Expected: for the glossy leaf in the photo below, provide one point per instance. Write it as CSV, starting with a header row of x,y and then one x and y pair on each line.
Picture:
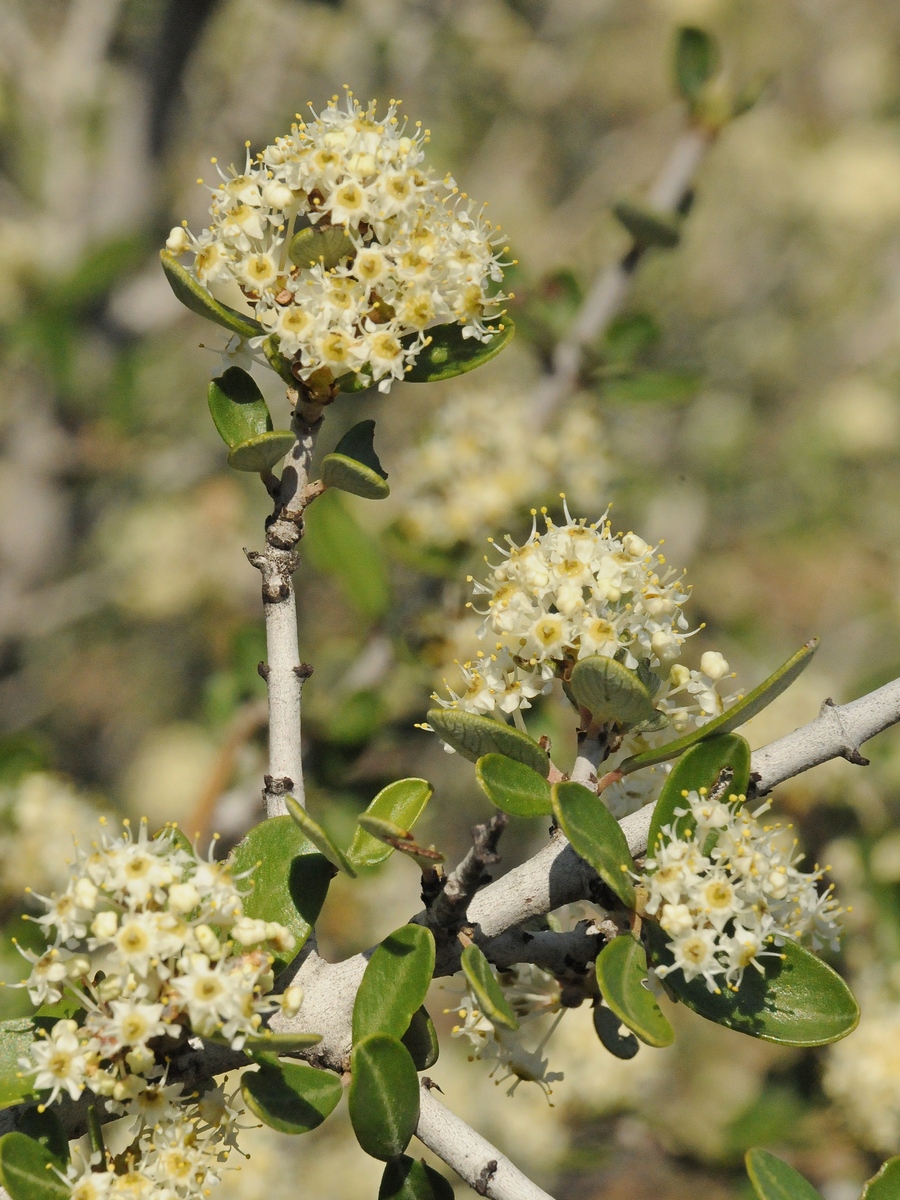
x,y
384,1095
699,768
449,353
621,968
609,691
473,736
47,1130
649,226
29,1170
696,61
353,466
773,1179
412,1179
281,1043
486,989
396,838
16,1037
595,835
607,1026
193,295
400,803
798,1001
354,381
315,245
739,713
336,545
885,1184
290,880
514,787
421,1040
318,836
237,407
395,983
178,837
262,452
291,1097
277,361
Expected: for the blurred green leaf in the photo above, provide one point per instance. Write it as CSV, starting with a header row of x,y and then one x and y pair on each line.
x,y
262,452
281,1043
16,1037
99,270
336,545
473,736
653,387
609,691
513,787
353,466
22,754
773,1179
421,1040
319,837
449,353
410,1179
607,1026
699,768
384,1095
27,1169
237,407
195,297
486,989
621,968
395,983
696,61
596,836
648,226
291,1097
629,336
885,1184
313,245
401,803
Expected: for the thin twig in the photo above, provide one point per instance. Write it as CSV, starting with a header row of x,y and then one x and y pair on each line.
x,y
448,912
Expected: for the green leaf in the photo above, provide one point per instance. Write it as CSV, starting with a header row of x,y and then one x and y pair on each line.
x,y
16,1037
629,336
421,1040
290,881
513,786
596,836
696,61
699,768
276,360
27,1169
449,353
473,736
653,387
394,837
384,1095
798,1001
607,1026
313,245
621,973
262,452
353,466
281,1043
395,983
407,1178
773,1179
885,1184
336,545
609,691
193,295
177,837
732,718
401,803
291,1097
649,226
486,989
353,381
47,1130
317,835
237,407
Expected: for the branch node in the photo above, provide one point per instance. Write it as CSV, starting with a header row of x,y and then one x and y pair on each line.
x,y
278,787
303,671
262,669
487,1173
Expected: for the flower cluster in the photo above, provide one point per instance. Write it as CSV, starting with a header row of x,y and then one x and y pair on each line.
x,y
531,993
727,909
153,943
416,252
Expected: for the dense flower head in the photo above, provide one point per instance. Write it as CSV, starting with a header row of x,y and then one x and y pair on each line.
x,y
153,944
728,909
417,252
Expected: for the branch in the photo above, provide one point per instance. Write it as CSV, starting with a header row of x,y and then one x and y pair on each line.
x,y
448,910
471,1156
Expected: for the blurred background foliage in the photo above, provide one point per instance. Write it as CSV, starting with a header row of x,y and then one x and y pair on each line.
x,y
745,408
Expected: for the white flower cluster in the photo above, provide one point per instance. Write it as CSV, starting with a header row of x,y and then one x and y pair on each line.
x,y
153,943
419,254
726,910
531,993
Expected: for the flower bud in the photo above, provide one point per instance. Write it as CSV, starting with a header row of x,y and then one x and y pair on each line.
x,y
249,932
105,925
714,665
85,893
679,676
207,941
277,195
634,545
183,898
178,241
291,1001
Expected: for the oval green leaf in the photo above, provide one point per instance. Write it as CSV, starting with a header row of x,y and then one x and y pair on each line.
x,y
395,983
317,835
237,407
649,226
607,1026
773,1179
290,881
696,61
513,786
699,768
276,360
314,245
798,1000
448,353
384,1096
29,1170
486,989
473,736
400,803
262,452
281,1043
291,1097
732,718
16,1037
609,691
885,1185
621,973
596,836
354,466
407,1178
47,1130
193,295
421,1040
